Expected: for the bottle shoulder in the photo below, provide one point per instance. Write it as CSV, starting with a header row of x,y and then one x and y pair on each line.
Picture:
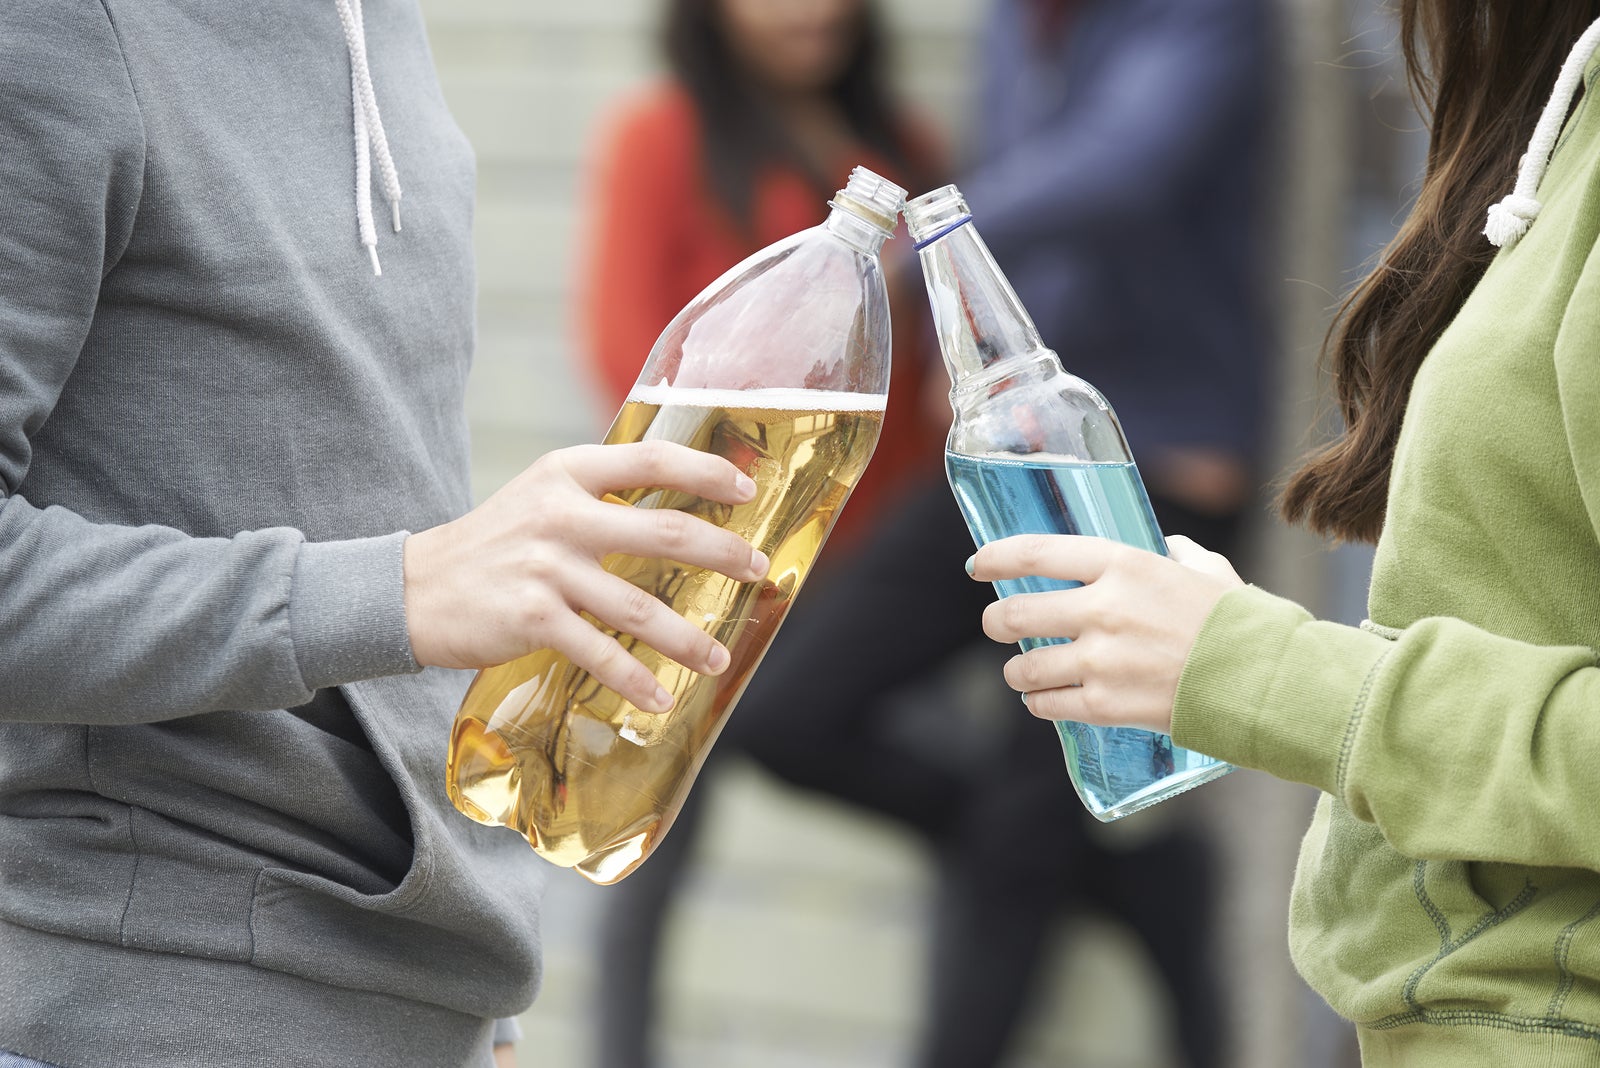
x,y
1034,408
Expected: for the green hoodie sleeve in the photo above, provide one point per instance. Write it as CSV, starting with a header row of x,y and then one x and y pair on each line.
x,y
1456,742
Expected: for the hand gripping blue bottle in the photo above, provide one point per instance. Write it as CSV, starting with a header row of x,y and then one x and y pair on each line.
x,y
1034,450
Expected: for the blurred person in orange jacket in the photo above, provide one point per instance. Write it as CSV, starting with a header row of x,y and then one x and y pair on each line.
x,y
769,105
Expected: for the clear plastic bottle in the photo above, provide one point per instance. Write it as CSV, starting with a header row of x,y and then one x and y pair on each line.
x,y
781,366
1034,450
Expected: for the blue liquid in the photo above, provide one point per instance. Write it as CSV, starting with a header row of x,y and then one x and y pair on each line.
x,y
1116,770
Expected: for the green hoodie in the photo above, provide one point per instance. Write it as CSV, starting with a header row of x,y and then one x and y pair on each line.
x,y
1448,890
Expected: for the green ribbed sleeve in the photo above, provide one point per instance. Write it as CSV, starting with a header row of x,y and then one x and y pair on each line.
x,y
1456,742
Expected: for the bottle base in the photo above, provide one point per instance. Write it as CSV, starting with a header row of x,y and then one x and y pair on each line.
x,y
1157,792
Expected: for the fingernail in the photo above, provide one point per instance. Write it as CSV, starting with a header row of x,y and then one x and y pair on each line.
x,y
719,660
759,562
972,563
745,485
663,699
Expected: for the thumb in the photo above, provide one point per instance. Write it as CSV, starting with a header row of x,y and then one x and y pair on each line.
x,y
1192,555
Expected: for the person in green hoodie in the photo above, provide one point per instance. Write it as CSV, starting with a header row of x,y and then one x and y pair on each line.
x,y
1447,898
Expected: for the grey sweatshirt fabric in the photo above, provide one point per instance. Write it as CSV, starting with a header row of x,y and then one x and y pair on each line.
x,y
224,836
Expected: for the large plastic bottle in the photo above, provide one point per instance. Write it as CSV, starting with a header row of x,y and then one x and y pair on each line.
x,y
1034,450
781,366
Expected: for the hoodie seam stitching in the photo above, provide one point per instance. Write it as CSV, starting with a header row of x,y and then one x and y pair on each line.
x,y
138,111
1357,714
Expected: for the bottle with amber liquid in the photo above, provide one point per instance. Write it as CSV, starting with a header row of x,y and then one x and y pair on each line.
x,y
782,367
1035,450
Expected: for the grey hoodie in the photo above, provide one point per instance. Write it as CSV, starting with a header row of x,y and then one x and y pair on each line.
x,y
224,837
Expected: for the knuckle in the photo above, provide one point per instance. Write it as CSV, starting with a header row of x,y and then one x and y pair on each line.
x,y
1029,673
565,464
552,520
541,567
638,608
656,460
612,659
537,612
736,553
1013,612
1031,552
672,529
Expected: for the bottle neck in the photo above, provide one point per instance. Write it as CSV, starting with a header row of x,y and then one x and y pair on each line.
x,y
979,319
846,221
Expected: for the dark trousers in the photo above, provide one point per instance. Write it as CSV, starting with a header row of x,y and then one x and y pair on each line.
x,y
1012,842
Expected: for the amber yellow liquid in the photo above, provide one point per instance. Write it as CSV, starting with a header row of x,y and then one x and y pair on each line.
x,y
592,782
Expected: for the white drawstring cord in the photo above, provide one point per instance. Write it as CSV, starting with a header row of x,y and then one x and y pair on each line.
x,y
367,127
1511,217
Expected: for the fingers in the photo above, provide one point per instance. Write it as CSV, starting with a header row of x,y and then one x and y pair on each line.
x,y
657,464
1045,668
627,608
1057,682
668,534
1063,703
1186,550
1055,614
1191,554
612,666
1070,557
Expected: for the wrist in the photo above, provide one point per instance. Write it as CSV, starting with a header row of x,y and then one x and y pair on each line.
x,y
347,614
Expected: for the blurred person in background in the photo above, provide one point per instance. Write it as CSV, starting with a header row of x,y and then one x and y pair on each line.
x,y
769,105
757,93
1449,884
1118,171
1121,153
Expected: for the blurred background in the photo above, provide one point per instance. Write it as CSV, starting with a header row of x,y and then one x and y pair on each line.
x,y
798,935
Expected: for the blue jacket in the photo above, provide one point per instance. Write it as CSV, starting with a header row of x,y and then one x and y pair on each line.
x,y
1120,181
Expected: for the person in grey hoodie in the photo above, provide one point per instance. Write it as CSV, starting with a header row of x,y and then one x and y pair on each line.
x,y
225,664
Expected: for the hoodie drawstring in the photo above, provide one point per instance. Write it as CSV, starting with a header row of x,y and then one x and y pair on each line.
x,y
367,128
1511,217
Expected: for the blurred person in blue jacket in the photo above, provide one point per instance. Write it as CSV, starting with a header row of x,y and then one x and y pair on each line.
x,y
1119,175
1119,167
1120,162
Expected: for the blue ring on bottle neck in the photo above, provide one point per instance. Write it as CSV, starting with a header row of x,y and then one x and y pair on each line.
x,y
930,239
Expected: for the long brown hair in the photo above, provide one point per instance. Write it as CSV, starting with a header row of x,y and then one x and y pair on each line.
x,y
740,134
1482,70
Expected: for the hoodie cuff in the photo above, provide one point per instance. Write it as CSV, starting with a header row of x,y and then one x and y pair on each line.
x,y
1268,687
348,611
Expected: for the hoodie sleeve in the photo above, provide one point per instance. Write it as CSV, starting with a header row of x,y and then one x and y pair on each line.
x,y
1456,742
112,624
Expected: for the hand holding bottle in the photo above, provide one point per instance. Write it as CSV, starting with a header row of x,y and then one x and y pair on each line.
x,y
512,575
1132,623
781,369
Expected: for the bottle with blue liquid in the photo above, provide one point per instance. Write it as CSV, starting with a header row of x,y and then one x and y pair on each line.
x,y
1034,450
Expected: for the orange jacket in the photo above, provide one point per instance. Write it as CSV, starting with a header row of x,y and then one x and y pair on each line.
x,y
657,237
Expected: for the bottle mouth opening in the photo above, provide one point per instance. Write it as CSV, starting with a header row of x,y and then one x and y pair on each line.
x,y
935,213
873,198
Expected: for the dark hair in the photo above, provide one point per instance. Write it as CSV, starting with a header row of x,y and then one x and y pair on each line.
x,y
1482,70
741,135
